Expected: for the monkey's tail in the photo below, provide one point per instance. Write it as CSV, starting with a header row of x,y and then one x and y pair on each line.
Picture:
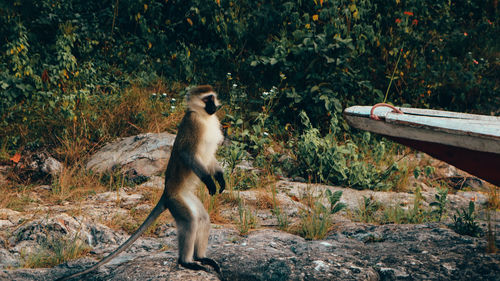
x,y
155,213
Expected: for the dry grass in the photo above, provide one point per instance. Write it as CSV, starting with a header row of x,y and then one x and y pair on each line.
x,y
213,204
493,207
265,199
19,201
138,111
96,122
74,183
493,197
132,112
55,251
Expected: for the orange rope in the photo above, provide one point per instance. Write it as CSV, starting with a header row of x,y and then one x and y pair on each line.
x,y
375,117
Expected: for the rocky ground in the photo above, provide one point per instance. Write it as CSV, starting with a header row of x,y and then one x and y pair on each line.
x,y
350,251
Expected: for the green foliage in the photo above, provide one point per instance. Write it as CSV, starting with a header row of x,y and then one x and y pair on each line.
x,y
372,211
464,222
320,55
282,217
428,171
64,67
316,219
334,199
315,222
416,214
440,204
247,220
367,210
323,159
232,155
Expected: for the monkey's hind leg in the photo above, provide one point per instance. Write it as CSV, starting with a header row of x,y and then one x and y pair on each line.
x,y
187,236
201,243
186,211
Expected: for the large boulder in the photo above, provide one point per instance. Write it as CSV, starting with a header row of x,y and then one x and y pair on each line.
x,y
141,155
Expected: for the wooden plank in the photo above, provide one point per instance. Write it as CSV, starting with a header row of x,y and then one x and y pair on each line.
x,y
473,127
383,111
424,134
447,114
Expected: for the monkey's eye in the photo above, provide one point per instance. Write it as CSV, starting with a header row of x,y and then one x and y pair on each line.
x,y
208,98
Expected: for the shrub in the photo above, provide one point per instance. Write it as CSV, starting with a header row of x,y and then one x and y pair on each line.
x,y
464,222
320,55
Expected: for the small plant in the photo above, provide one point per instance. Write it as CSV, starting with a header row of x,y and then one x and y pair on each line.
x,y
321,158
334,198
233,154
490,237
315,222
315,219
418,213
283,222
440,204
464,222
247,220
368,209
243,179
55,251
395,214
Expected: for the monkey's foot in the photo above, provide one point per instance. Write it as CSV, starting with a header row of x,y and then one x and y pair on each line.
x,y
193,266
210,262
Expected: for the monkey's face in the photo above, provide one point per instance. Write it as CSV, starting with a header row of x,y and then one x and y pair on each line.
x,y
211,103
202,99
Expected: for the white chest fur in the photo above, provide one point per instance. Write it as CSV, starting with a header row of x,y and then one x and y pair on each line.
x,y
212,136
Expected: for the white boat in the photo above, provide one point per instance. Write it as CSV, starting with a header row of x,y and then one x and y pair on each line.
x,y
470,142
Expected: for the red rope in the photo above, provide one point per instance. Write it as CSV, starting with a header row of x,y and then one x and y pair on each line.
x,y
375,117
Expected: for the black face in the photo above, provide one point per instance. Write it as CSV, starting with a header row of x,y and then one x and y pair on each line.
x,y
210,106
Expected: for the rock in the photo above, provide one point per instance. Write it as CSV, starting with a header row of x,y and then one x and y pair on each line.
x,y
451,171
286,204
406,252
51,166
351,250
44,163
25,248
13,216
4,170
154,182
5,224
126,200
260,204
276,255
400,252
38,164
245,165
141,155
351,197
478,197
7,259
63,225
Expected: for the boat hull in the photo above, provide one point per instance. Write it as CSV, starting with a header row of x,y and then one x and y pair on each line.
x,y
469,142
484,165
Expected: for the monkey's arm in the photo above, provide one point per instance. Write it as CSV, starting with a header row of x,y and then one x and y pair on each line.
x,y
219,176
201,171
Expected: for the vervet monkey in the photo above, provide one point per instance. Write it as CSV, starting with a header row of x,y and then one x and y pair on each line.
x,y
192,158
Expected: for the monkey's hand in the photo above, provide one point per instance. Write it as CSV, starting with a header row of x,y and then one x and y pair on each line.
x,y
219,176
209,182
